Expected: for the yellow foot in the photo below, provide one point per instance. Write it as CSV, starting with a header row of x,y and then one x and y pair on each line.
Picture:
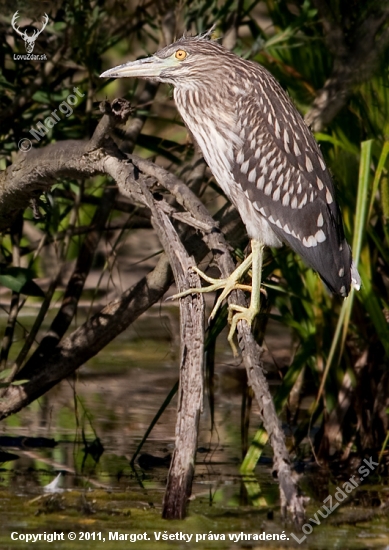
x,y
228,285
236,313
239,313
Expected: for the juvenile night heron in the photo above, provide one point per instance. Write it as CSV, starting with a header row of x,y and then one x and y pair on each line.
x,y
262,155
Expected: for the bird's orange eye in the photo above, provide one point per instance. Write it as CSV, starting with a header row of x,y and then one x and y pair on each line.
x,y
181,54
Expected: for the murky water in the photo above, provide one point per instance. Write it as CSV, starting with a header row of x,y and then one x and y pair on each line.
x,y
89,427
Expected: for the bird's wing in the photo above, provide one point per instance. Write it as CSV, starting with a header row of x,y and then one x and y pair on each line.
x,y
280,168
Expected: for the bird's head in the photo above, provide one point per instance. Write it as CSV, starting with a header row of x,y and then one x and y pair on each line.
x,y
184,61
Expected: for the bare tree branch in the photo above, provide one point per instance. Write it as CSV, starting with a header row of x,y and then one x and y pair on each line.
x,y
86,341
190,392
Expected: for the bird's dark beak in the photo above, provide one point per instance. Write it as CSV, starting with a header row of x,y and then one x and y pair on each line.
x,y
150,67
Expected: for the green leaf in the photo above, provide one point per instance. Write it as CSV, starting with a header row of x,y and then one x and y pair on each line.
x,y
254,452
20,280
41,97
343,144
377,177
4,373
19,382
362,199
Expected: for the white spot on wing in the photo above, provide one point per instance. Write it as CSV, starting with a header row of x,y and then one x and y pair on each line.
x,y
276,194
320,220
320,184
341,272
323,166
272,163
252,134
261,182
320,236
308,164
303,201
329,198
268,188
273,174
277,129
310,241
245,167
240,157
252,175
285,199
296,149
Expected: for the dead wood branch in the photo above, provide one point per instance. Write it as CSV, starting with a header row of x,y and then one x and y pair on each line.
x,y
190,391
90,338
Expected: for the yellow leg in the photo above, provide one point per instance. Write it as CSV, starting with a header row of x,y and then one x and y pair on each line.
x,y
244,313
236,313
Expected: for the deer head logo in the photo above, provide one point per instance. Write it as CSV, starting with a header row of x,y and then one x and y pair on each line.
x,y
29,40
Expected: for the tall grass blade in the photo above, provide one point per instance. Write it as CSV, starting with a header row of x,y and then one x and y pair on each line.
x,y
359,229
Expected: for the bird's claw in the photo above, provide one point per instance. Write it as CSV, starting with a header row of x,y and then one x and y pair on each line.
x,y
228,285
236,313
239,313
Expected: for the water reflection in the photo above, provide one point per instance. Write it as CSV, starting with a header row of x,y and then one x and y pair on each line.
x,y
89,427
